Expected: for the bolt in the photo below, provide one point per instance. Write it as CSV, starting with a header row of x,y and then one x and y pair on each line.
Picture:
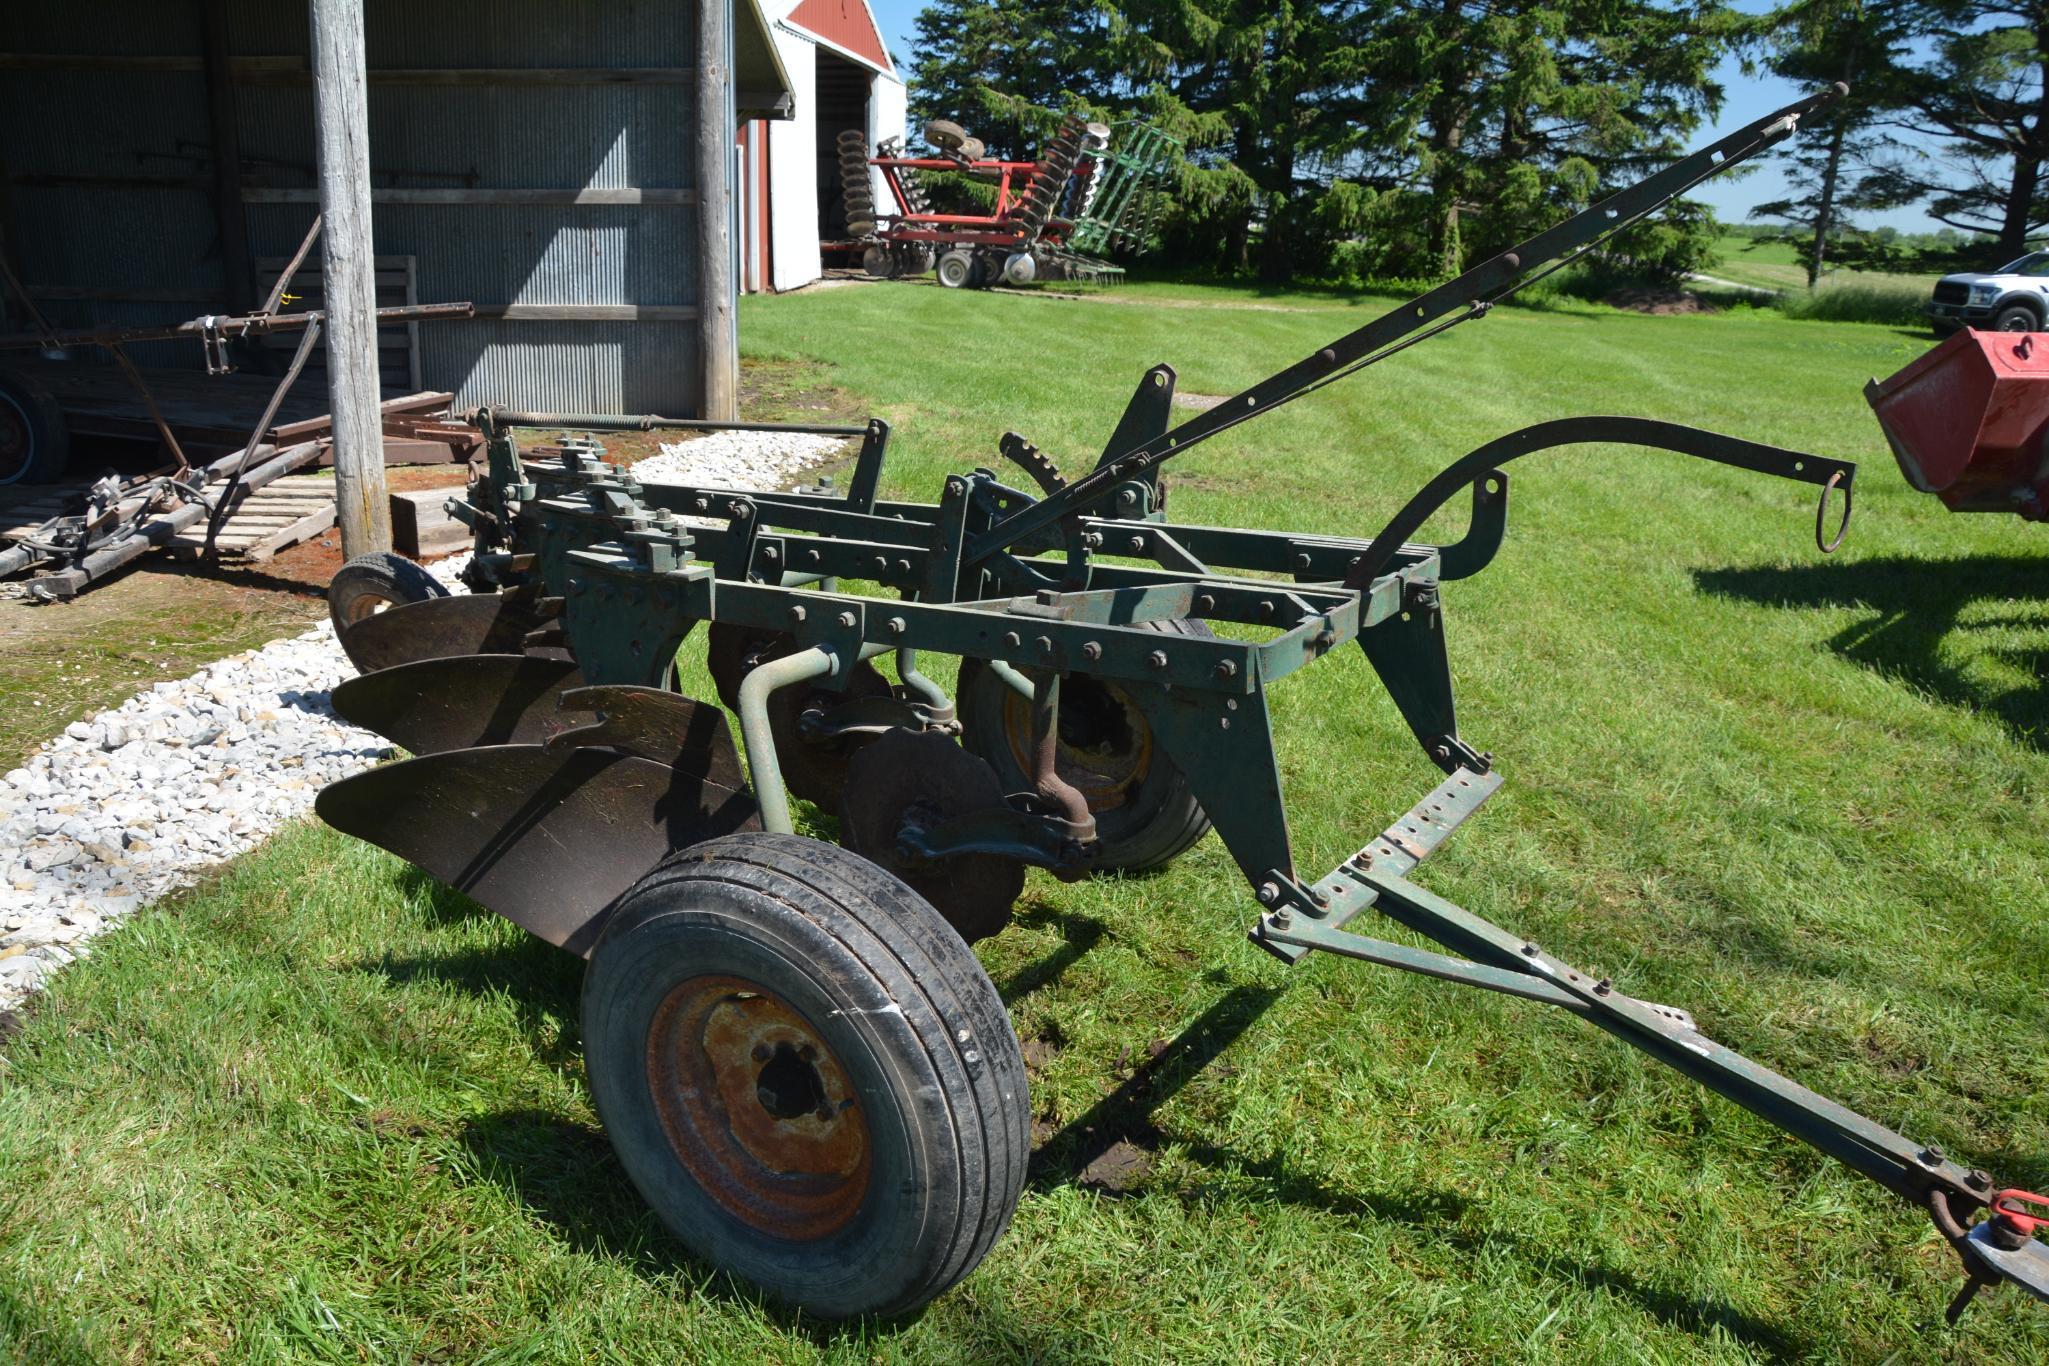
x,y
1281,918
1529,950
1932,1155
1603,987
1156,660
797,615
881,566
903,566
1091,651
761,1053
742,511
1301,562
1205,602
1012,640
1138,543
1126,498
1980,1178
1226,669
847,620
770,553
704,504
955,488
897,626
1045,644
1092,540
1268,893
1048,597
813,557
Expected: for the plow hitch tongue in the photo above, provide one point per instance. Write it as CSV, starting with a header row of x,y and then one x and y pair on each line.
x,y
777,1026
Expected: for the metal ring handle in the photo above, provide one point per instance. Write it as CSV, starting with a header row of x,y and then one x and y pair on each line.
x,y
1821,515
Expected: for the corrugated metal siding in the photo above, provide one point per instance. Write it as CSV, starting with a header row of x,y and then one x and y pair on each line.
x,y
500,137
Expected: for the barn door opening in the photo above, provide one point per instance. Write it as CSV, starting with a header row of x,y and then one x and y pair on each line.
x,y
844,90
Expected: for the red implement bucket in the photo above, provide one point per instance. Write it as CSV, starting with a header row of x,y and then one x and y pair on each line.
x,y
1967,421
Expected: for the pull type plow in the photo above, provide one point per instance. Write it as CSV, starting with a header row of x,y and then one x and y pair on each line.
x,y
799,1061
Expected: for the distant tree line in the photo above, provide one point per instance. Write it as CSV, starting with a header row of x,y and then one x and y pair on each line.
x,y
1406,140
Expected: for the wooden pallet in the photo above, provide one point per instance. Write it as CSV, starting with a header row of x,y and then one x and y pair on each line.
x,y
23,510
275,517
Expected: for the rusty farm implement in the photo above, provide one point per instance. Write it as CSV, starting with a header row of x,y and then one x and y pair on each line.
x,y
1093,188
800,1063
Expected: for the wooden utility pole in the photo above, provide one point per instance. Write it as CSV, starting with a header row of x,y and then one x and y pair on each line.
x,y
341,119
718,340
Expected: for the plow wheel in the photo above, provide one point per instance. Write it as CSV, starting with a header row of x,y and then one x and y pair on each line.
x,y
806,1074
374,583
945,134
880,262
1146,813
906,778
814,769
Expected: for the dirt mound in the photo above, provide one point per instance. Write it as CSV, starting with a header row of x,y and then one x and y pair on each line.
x,y
1657,299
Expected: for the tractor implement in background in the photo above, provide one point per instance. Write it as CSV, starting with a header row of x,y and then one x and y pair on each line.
x,y
1094,188
800,1063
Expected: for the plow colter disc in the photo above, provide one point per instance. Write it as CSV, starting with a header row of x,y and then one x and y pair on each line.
x,y
547,839
433,705
440,628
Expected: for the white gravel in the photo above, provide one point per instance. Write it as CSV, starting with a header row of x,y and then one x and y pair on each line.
x,y
138,801
739,459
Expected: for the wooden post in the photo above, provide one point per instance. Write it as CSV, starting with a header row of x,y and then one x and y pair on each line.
x,y
718,335
238,265
342,123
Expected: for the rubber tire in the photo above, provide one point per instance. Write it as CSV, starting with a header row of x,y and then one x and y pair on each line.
x,y
945,134
49,439
1173,819
898,998
972,149
2017,318
956,270
382,575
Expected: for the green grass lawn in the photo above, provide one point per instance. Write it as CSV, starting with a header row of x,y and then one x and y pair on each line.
x,y
324,1110
1776,265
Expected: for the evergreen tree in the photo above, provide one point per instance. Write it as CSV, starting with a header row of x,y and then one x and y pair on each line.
x,y
1977,83
1529,110
1837,164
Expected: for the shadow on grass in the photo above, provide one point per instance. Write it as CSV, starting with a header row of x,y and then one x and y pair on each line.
x,y
1125,1116
1913,608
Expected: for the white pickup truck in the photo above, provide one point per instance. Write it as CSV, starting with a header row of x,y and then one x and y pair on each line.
x,y
2014,298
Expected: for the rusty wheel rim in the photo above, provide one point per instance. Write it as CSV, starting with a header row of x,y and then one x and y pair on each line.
x,y
367,605
757,1108
1106,746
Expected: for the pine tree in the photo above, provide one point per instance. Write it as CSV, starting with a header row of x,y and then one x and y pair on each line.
x,y
1977,82
1836,165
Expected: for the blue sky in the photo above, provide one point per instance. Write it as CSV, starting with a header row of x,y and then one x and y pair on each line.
x,y
1747,98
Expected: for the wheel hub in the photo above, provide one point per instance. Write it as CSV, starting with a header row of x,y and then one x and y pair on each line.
x,y
1106,746
758,1108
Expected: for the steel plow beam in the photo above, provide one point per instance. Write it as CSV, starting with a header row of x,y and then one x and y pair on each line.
x,y
547,839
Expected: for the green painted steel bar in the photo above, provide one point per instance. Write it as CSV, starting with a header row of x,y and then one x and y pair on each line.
x,y
1472,292
769,791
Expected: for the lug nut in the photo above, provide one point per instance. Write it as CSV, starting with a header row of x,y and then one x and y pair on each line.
x,y
1268,893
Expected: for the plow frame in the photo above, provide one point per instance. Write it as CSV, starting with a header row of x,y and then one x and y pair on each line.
x,y
1071,579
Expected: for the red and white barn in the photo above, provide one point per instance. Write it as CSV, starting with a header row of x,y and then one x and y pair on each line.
x,y
788,185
